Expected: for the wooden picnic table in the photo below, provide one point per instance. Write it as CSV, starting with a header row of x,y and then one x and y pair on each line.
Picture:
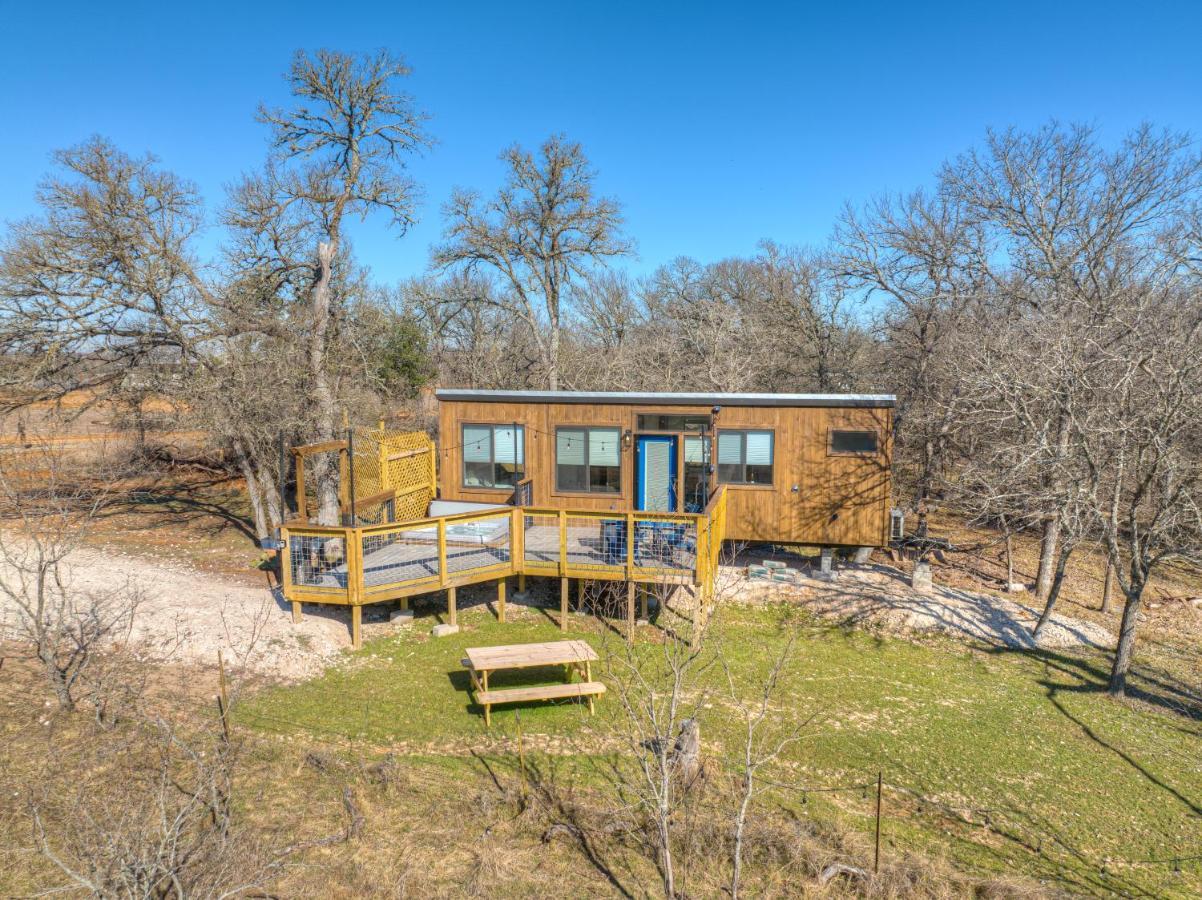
x,y
574,656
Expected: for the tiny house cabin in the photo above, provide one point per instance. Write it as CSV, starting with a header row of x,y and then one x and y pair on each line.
x,y
808,469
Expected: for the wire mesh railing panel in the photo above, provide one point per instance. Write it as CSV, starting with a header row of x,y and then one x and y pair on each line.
x,y
481,542
596,543
540,540
406,554
665,546
318,562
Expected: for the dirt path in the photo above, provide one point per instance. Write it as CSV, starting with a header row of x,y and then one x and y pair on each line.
x,y
188,615
881,596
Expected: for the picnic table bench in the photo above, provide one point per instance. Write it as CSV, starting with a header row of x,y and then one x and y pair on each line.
x,y
574,656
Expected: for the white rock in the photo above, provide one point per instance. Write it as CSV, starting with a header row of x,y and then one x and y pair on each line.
x,y
401,617
443,630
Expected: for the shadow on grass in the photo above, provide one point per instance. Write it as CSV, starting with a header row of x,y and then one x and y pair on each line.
x,y
1047,852
1151,687
575,821
502,679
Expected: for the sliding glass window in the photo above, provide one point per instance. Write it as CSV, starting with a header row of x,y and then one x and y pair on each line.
x,y
745,457
588,460
494,456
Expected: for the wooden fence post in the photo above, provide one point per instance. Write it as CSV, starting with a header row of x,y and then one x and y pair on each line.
x,y
876,856
563,604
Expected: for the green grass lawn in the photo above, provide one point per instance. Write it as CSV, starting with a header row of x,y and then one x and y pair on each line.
x,y
1006,762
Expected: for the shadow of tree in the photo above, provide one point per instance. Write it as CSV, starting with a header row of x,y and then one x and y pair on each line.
x,y
201,503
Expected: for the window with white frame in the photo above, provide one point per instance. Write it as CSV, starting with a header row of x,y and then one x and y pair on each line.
x,y
494,456
588,460
745,457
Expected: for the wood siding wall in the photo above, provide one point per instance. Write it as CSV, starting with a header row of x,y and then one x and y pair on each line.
x,y
839,501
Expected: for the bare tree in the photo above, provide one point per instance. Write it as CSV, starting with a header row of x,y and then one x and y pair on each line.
x,y
925,257
474,340
662,695
68,629
545,228
760,747
337,154
107,291
1070,228
809,313
1144,448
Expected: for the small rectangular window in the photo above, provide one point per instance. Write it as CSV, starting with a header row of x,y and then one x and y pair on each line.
x,y
588,460
668,422
494,456
853,442
745,457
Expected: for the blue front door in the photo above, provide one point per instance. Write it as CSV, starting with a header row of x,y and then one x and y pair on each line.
x,y
655,465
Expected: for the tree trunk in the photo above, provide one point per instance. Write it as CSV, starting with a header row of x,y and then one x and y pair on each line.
x,y
1009,560
1108,586
1047,556
553,357
252,489
325,469
275,503
58,678
1126,647
1054,591
740,828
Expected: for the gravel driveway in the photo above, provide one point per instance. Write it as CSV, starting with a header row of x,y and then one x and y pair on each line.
x,y
188,615
881,595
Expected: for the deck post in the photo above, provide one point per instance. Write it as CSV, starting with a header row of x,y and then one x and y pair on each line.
x,y
296,612
302,507
442,551
353,549
501,601
563,604
630,610
451,611
629,546
563,542
404,603
517,546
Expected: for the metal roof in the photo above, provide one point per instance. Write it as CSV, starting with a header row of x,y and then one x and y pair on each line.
x,y
653,399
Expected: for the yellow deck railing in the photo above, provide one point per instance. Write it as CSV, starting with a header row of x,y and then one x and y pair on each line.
x,y
375,563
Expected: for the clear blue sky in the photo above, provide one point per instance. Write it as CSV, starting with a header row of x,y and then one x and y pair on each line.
x,y
715,126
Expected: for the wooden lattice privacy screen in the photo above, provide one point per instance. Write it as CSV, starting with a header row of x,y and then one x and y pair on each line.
x,y
394,475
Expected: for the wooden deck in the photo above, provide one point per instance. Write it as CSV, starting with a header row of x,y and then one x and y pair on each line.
x,y
357,565
395,559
